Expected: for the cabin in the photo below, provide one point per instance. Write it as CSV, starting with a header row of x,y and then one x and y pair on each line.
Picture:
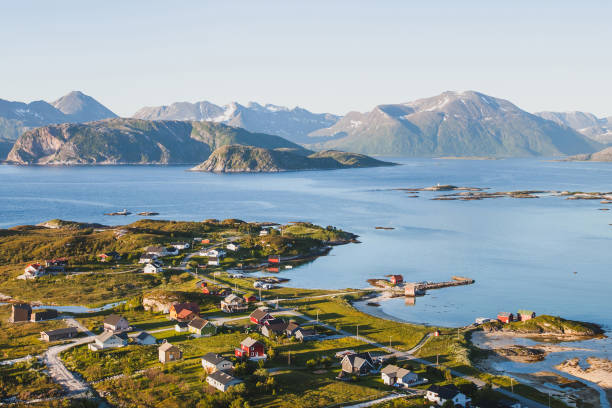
x,y
396,279
222,381
276,328
168,352
233,247
213,261
274,259
108,256
59,334
181,327
291,328
233,303
201,327
144,339
108,339
263,232
154,267
116,324
392,375
524,315
303,335
358,364
39,315
177,308
56,265
250,298
260,316
214,362
157,251
505,317
483,320
20,312
441,394
251,349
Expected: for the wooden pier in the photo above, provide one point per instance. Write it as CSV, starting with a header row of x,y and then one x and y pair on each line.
x,y
419,289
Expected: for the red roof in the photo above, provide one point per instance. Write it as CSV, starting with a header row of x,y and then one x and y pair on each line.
x,y
183,314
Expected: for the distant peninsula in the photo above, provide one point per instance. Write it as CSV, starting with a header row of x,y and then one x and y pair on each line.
x,y
604,155
250,159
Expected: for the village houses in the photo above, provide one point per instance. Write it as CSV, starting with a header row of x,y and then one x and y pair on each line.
x,y
441,394
233,247
251,349
184,312
397,376
222,381
233,303
20,312
59,334
201,327
167,352
154,267
108,339
115,323
144,339
214,362
358,364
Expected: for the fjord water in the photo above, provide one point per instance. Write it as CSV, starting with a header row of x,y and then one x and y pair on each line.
x,y
546,254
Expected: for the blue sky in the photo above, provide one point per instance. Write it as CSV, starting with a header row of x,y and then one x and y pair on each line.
x,y
326,56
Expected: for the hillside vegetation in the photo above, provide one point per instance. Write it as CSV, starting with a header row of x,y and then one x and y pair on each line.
x,y
545,324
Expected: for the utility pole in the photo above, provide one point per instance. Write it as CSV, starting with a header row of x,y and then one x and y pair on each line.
x,y
357,332
289,358
389,341
260,294
511,385
437,360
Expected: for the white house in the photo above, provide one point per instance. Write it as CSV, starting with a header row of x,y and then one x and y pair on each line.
x,y
215,253
214,362
394,375
144,339
147,258
233,247
263,232
214,261
32,271
181,327
181,245
441,394
115,323
108,339
152,268
222,381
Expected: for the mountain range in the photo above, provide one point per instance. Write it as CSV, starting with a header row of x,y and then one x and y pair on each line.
x,y
451,124
294,124
598,129
134,141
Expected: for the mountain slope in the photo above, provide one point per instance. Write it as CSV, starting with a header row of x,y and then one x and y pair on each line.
x,y
293,124
453,123
133,141
598,129
79,107
241,159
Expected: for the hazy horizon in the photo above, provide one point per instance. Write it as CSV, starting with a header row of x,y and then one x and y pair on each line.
x,y
325,57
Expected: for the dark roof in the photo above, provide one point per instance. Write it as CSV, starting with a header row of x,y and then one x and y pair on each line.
x,y
292,326
306,332
178,307
273,321
25,306
223,378
213,358
259,314
65,330
143,335
277,327
446,392
113,319
358,360
182,324
198,323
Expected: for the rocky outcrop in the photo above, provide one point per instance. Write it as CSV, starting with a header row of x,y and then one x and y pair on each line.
x,y
604,155
246,159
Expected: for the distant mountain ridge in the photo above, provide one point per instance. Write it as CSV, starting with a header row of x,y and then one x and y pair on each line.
x,y
598,129
453,123
17,117
133,141
249,159
293,124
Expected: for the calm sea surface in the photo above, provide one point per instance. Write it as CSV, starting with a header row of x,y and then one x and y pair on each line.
x,y
548,254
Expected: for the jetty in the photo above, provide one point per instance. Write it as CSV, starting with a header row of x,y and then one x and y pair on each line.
x,y
420,288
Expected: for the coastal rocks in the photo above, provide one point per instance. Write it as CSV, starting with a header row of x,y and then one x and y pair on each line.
x,y
161,301
521,354
599,371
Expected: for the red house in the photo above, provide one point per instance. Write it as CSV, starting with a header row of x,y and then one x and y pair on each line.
x,y
250,298
395,279
273,269
505,317
251,349
275,259
260,316
177,308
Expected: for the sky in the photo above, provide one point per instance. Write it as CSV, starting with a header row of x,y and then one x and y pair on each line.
x,y
325,56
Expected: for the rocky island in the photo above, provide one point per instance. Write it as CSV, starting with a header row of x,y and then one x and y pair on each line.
x,y
250,159
604,155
